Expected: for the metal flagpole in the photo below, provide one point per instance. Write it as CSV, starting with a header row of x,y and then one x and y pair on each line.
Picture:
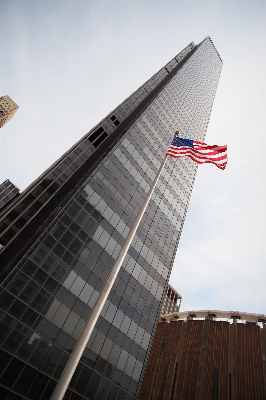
x,y
77,352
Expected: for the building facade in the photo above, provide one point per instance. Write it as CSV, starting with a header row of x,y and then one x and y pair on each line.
x,y
171,302
211,355
62,235
8,108
7,193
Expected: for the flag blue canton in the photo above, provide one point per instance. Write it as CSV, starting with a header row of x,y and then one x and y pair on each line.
x,y
178,142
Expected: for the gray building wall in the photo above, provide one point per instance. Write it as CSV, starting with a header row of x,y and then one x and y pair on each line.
x,y
64,233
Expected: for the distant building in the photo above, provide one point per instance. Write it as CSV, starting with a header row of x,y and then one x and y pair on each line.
x,y
8,109
215,355
171,302
7,192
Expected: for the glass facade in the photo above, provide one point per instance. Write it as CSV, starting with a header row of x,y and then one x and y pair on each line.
x,y
62,236
7,192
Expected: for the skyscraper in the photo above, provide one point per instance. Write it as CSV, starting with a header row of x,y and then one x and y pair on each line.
x,y
207,355
7,109
62,235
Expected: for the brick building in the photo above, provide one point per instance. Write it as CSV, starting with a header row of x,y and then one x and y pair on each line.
x,y
210,355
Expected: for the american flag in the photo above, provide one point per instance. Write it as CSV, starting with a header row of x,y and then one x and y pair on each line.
x,y
198,151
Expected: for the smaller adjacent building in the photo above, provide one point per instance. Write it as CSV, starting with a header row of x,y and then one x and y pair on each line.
x,y
171,302
8,109
214,355
7,193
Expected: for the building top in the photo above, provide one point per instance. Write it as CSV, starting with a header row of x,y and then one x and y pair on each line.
x,y
84,151
7,192
171,302
213,314
215,49
8,109
175,291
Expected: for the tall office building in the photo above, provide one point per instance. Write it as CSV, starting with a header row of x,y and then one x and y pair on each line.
x,y
62,235
216,355
8,108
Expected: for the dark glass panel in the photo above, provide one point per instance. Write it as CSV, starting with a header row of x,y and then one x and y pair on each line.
x,y
135,349
69,300
75,375
86,312
132,387
12,372
51,285
40,276
49,242
14,340
6,300
25,379
58,230
29,317
51,332
4,360
94,135
82,235
117,376
17,309
6,325
60,293
141,355
51,360
79,307
91,358
127,344
83,379
62,339
93,385
75,246
121,286
120,338
66,220
38,386
108,370
123,306
91,261
102,389
3,393
41,351
149,327
61,365
84,273
112,391
73,210
125,382
74,227
47,393
93,280
100,365
59,250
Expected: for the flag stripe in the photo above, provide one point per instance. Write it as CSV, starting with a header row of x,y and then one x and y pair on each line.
x,y
199,152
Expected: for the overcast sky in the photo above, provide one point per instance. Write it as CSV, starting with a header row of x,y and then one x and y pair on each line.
x,y
67,64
